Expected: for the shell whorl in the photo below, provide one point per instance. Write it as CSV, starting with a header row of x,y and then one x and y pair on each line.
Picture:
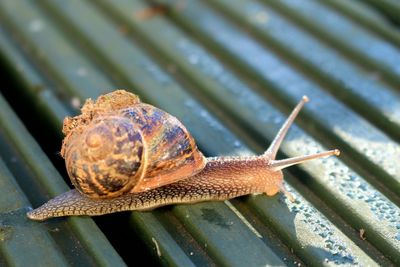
x,y
171,152
119,145
105,160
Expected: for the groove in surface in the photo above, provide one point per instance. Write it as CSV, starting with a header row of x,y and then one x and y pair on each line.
x,y
237,94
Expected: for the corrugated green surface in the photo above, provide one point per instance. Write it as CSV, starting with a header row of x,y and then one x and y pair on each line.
x,y
80,241
230,71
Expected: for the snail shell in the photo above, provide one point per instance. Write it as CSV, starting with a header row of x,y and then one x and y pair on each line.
x,y
119,145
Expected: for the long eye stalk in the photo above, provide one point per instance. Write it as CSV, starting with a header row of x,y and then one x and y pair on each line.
x,y
271,152
276,143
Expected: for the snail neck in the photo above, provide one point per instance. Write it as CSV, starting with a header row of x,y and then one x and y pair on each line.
x,y
237,176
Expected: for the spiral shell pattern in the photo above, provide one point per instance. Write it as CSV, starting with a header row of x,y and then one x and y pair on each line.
x,y
105,159
119,145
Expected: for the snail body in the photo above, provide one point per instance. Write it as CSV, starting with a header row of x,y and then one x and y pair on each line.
x,y
122,154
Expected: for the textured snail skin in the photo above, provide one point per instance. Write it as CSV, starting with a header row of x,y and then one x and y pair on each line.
x,y
172,170
219,180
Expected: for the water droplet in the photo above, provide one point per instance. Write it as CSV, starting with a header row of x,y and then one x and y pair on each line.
x,y
398,236
194,59
75,102
237,144
260,17
36,25
82,72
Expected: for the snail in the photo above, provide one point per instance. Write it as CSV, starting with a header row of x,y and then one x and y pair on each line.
x,y
122,154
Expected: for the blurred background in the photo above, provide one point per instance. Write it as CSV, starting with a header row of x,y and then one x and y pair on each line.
x,y
231,71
